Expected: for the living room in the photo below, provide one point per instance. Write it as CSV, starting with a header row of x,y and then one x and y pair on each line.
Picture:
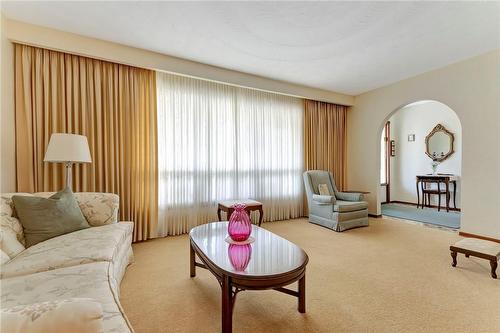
x,y
215,167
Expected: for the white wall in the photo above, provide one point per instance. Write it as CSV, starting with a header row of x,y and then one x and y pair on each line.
x,y
472,89
411,160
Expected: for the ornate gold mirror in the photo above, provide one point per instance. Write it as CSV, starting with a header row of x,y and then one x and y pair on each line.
x,y
439,143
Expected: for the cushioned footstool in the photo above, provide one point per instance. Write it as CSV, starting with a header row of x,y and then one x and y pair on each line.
x,y
477,248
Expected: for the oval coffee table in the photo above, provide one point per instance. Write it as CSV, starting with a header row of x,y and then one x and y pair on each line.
x,y
270,262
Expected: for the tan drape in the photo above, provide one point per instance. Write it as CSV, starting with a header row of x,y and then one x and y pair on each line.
x,y
113,105
325,139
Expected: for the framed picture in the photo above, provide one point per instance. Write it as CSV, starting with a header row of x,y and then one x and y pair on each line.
x,y
411,137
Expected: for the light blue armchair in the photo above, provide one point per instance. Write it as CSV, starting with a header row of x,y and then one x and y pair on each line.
x,y
339,210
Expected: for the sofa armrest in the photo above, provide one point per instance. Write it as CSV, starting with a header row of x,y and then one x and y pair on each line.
x,y
98,208
350,196
324,199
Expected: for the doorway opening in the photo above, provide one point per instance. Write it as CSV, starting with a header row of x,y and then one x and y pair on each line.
x,y
420,164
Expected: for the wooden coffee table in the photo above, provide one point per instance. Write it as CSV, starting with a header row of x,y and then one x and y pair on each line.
x,y
270,262
227,206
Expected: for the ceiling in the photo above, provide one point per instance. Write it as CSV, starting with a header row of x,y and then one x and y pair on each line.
x,y
347,47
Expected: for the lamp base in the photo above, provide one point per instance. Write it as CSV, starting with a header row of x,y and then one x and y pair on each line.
x,y
69,175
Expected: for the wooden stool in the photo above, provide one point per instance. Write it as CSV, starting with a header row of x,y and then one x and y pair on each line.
x,y
477,248
227,206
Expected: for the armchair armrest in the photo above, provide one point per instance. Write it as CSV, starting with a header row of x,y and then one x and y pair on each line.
x,y
350,196
323,199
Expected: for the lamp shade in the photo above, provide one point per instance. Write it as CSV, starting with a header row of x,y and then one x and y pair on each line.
x,y
68,148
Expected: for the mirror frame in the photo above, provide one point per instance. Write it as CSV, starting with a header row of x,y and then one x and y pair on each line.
x,y
440,128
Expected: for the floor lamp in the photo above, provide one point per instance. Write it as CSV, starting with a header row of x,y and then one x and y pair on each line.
x,y
68,149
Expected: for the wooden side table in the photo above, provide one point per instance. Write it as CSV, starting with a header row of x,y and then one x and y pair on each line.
x,y
252,205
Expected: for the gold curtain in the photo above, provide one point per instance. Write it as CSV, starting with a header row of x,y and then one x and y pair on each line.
x,y
325,139
113,105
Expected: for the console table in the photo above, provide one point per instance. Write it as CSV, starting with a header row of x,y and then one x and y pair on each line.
x,y
438,179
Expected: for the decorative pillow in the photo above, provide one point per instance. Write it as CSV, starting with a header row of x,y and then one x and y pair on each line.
x,y
3,257
323,189
45,218
9,243
97,208
75,315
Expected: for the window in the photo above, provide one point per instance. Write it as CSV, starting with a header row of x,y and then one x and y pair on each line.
x,y
218,142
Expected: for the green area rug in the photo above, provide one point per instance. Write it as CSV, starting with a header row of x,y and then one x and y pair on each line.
x,y
427,215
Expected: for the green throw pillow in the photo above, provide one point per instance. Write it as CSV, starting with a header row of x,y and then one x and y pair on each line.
x,y
44,218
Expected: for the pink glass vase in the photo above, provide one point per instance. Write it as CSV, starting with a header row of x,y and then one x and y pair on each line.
x,y
239,255
240,226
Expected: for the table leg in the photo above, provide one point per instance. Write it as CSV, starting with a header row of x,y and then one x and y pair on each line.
x,y
192,259
455,194
261,215
302,294
218,214
423,194
454,257
447,196
418,195
227,318
439,197
493,264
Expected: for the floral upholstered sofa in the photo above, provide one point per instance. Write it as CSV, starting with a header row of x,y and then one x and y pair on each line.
x,y
88,263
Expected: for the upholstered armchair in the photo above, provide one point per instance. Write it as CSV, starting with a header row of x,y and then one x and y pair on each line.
x,y
337,210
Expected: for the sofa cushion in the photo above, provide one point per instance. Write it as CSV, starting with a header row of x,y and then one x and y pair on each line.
x,y
349,206
75,315
88,281
83,246
45,218
6,218
3,257
9,243
98,208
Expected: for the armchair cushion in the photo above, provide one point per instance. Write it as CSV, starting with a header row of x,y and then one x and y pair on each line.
x,y
318,177
349,196
324,199
349,206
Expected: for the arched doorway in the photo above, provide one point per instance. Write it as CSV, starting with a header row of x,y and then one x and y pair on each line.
x,y
420,164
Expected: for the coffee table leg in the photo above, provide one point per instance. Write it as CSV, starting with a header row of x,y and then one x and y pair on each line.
x,y
218,214
302,294
227,317
261,215
454,257
493,264
192,258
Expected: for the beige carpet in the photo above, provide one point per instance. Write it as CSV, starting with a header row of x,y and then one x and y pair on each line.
x,y
390,277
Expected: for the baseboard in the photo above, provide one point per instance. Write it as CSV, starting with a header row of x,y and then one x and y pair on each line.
x,y
414,204
466,234
375,216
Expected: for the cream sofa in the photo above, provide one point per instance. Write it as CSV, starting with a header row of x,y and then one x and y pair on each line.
x,y
88,263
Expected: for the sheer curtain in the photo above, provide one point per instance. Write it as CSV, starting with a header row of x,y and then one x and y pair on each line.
x,y
218,142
